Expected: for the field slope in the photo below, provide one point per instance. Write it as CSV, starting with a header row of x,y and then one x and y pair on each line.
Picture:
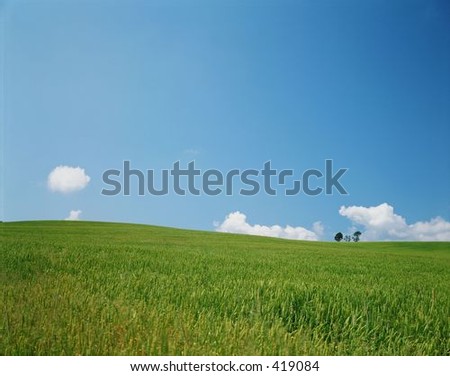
x,y
91,288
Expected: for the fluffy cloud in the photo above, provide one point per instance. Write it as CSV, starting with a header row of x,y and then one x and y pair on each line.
x,y
318,228
381,223
236,222
65,179
74,215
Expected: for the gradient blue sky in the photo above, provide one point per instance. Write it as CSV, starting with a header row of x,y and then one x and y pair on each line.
x,y
229,84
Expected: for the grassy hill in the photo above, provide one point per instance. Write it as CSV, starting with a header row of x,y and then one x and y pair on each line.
x,y
91,288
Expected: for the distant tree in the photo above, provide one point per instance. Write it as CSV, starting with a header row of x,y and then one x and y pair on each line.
x,y
347,238
338,237
356,236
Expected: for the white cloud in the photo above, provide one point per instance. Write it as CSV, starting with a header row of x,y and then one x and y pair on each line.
x,y
381,223
192,151
236,222
65,179
74,215
318,228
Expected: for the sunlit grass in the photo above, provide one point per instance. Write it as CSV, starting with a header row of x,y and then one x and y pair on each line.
x,y
98,289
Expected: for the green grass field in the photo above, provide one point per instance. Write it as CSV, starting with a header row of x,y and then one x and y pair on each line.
x,y
89,288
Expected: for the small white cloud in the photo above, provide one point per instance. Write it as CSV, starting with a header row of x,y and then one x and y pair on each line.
x,y
65,179
381,223
318,228
74,215
236,223
192,152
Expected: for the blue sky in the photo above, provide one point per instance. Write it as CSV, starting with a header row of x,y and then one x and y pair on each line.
x,y
231,84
